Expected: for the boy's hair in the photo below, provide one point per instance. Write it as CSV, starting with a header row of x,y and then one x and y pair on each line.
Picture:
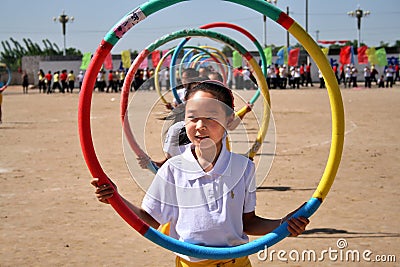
x,y
218,90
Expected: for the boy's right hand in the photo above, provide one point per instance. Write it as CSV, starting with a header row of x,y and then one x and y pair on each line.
x,y
103,192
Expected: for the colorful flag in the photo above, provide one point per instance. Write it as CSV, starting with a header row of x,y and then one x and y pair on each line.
x,y
155,58
144,64
85,60
237,59
282,56
381,57
352,55
345,55
167,60
126,59
325,50
108,64
362,55
293,56
268,55
372,55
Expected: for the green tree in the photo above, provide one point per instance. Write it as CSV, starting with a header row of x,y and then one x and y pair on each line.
x,y
383,44
13,51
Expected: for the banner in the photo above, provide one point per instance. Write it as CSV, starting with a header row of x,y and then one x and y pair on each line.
x,y
282,56
352,55
167,60
381,57
333,42
344,57
371,53
108,64
237,59
293,57
85,60
126,59
362,55
155,58
144,64
268,55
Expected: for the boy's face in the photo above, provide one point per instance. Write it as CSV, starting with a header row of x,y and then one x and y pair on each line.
x,y
205,120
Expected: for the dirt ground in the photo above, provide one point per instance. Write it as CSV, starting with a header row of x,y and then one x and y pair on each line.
x,y
49,215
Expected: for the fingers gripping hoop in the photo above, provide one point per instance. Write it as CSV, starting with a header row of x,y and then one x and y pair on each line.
x,y
116,201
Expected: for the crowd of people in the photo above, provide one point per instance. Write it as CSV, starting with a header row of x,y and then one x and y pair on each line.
x,y
347,75
294,77
278,77
63,81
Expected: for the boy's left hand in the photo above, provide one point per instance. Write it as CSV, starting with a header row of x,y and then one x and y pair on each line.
x,y
297,226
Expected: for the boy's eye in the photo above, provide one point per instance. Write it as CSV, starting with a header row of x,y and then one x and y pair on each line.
x,y
192,118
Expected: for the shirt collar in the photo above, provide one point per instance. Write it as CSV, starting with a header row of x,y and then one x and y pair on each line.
x,y
194,171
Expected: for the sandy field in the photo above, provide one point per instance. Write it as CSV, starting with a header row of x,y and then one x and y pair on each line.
x,y
49,215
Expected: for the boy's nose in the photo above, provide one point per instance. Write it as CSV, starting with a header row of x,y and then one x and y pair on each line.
x,y
200,124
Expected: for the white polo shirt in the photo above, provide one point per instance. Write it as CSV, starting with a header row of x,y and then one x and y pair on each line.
x,y
204,208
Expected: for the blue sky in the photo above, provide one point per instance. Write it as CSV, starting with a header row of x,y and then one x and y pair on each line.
x,y
34,20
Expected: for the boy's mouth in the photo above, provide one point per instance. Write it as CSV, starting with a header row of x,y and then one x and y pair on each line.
x,y
198,137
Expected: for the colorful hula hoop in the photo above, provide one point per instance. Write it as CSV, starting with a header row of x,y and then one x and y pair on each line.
x,y
224,59
160,63
199,33
172,74
224,25
194,60
337,110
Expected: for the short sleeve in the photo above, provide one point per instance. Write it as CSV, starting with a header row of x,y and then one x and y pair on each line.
x,y
159,194
250,190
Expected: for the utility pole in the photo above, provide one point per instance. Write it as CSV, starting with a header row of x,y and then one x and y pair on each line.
x,y
265,22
